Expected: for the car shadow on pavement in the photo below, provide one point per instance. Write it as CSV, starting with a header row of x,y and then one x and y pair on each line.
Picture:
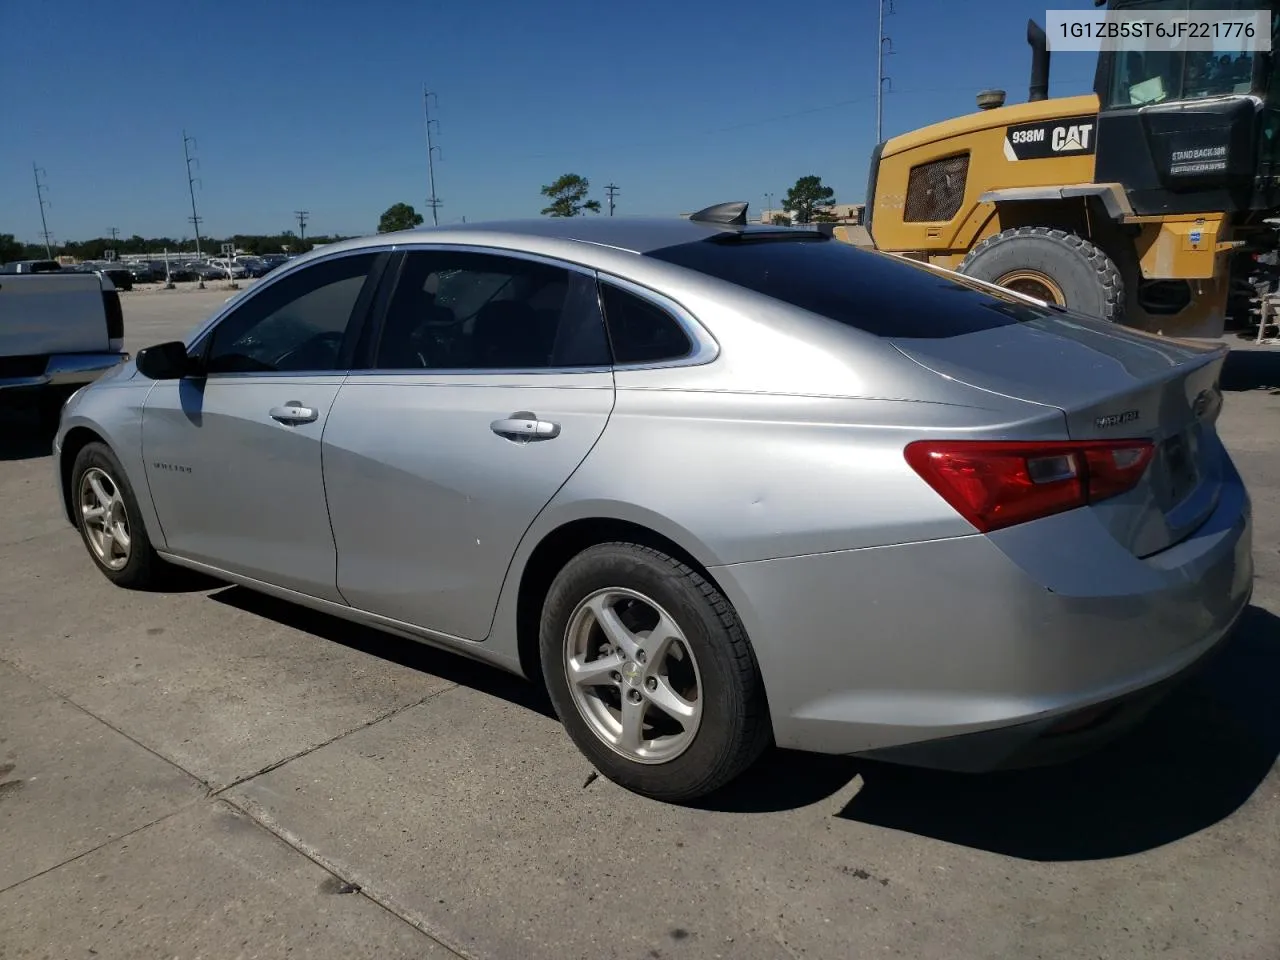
x,y
1195,760
408,653
1252,370
22,437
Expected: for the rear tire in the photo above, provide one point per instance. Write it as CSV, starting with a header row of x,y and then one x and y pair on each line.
x,y
115,537
1053,265
652,645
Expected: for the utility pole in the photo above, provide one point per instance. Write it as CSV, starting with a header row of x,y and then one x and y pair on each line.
x,y
115,234
187,143
612,190
44,224
302,224
881,40
768,206
433,151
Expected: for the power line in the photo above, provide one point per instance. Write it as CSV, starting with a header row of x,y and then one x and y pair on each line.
x,y
44,224
433,151
188,142
612,190
302,224
881,40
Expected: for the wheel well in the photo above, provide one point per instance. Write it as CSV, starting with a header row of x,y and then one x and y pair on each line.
x,y
77,439
558,548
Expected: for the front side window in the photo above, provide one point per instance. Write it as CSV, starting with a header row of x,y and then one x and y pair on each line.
x,y
460,310
296,324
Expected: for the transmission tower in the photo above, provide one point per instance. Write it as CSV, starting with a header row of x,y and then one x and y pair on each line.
x,y
302,224
612,191
44,224
433,151
187,144
881,40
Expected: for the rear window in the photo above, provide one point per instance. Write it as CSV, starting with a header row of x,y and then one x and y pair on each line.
x,y
873,292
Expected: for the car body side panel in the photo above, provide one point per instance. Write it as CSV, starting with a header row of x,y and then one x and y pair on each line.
x,y
112,409
874,648
715,473
237,489
428,504
762,476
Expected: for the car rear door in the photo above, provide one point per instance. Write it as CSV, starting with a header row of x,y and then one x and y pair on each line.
x,y
233,457
488,383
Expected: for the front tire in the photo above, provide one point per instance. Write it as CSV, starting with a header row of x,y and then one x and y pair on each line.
x,y
651,672
1053,265
110,523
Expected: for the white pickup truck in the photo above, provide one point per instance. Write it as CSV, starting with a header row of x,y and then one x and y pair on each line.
x,y
58,331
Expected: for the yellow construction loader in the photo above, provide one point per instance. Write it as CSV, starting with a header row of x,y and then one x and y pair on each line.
x,y
1140,202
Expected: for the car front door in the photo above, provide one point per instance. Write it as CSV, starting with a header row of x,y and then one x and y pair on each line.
x,y
233,455
488,384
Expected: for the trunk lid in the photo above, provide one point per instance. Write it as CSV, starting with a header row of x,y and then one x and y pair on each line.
x,y
1110,383
48,313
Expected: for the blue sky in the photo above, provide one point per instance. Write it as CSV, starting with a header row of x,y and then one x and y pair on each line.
x,y
317,104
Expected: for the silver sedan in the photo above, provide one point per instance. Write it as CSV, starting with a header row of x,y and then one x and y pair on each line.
x,y
716,486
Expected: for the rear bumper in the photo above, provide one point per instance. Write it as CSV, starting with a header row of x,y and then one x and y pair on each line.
x,y
960,654
67,369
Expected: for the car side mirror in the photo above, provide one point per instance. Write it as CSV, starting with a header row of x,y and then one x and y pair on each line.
x,y
166,361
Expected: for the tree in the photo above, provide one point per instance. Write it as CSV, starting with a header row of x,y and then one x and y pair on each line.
x,y
399,216
568,197
10,248
809,201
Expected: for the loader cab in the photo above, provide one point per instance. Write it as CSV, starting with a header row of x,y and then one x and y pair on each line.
x,y
1191,130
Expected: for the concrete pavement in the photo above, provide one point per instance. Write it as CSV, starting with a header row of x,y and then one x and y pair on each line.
x,y
212,773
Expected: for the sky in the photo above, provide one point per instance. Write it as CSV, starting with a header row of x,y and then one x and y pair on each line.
x,y
317,105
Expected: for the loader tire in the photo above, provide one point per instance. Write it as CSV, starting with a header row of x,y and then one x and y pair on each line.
x,y
1053,265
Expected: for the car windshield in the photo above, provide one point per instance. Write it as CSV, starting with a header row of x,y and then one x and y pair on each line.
x,y
1144,74
874,292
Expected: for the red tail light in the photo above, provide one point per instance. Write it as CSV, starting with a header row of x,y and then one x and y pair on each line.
x,y
995,484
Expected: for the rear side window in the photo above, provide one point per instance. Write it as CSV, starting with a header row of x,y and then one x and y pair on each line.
x,y
640,330
873,292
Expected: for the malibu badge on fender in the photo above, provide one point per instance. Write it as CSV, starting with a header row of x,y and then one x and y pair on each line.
x,y
1065,137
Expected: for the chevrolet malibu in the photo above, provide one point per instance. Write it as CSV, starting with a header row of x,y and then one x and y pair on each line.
x,y
716,486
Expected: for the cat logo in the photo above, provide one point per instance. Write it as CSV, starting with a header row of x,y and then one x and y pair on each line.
x,y
1071,138
1043,140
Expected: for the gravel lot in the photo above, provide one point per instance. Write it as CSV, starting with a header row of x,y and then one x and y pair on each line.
x,y
215,774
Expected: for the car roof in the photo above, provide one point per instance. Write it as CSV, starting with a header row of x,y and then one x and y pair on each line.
x,y
632,234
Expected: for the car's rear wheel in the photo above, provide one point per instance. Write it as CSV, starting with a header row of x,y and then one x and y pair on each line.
x,y
651,672
107,515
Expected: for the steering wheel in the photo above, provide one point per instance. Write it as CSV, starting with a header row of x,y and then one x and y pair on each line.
x,y
323,347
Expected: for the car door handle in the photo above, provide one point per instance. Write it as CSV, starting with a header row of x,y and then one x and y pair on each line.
x,y
294,412
522,427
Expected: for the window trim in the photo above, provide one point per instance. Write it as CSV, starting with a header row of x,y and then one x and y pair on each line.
x,y
370,352
703,346
202,342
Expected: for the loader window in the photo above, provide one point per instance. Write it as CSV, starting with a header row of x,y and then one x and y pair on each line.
x,y
1142,77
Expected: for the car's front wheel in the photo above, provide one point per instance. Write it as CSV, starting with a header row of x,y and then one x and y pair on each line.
x,y
106,512
651,672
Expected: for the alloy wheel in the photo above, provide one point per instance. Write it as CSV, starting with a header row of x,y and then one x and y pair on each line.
x,y
104,519
633,676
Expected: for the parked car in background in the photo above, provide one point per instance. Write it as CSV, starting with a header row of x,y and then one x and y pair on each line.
x,y
58,331
254,266
231,269
32,266
143,273
274,260
205,270
716,485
